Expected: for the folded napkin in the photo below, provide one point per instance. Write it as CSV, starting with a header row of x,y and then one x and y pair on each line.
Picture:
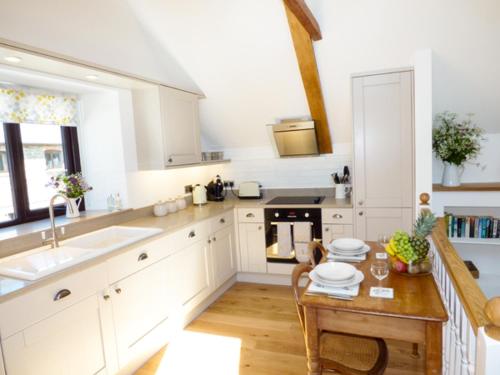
x,y
349,291
346,258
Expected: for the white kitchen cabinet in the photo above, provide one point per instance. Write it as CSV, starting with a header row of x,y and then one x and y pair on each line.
x,y
383,153
69,342
167,128
252,247
331,232
140,303
223,255
372,222
190,275
383,140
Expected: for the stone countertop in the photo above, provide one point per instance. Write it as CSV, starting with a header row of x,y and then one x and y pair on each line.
x,y
10,287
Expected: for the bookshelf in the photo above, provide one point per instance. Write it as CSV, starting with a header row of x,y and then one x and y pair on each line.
x,y
475,241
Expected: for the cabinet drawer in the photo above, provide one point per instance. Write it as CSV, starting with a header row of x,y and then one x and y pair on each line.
x,y
137,258
336,215
250,215
41,303
221,221
190,235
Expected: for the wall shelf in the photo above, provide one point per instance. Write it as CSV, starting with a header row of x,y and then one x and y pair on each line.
x,y
200,164
472,186
475,241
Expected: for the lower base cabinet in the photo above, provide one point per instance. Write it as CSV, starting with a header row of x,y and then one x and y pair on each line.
x,y
333,231
372,222
223,255
252,247
69,342
140,303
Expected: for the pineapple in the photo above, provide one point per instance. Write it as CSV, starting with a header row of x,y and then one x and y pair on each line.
x,y
422,228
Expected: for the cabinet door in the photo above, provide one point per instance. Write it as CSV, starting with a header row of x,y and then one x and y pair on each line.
x,y
140,302
383,140
372,222
180,127
69,342
252,247
223,255
333,231
190,275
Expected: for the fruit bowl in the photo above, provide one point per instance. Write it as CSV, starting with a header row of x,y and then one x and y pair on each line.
x,y
413,268
409,252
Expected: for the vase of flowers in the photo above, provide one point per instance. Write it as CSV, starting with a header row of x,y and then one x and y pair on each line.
x,y
73,187
455,142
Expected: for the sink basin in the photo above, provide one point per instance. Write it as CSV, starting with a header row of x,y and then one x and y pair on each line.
x,y
35,264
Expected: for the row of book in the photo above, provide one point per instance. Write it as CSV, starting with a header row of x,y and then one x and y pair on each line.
x,y
472,226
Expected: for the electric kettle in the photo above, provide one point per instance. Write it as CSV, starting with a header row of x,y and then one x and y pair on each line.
x,y
199,194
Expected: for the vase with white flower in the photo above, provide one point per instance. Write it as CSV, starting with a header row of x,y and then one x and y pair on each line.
x,y
455,142
73,187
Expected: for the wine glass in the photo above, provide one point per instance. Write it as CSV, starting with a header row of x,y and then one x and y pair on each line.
x,y
383,240
379,270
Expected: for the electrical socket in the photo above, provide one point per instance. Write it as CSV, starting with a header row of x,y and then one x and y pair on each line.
x,y
228,183
188,189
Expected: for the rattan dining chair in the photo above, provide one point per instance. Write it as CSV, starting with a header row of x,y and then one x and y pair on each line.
x,y
339,352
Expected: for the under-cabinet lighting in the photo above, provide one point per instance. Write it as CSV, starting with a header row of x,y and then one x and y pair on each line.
x,y
13,59
92,77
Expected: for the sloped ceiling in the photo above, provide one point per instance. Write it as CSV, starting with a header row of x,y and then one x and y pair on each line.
x,y
240,54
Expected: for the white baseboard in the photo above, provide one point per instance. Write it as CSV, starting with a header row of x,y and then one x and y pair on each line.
x,y
264,278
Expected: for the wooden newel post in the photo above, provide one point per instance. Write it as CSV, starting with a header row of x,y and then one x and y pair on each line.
x,y
492,311
424,199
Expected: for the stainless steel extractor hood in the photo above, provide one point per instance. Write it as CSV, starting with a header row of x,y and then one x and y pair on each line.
x,y
295,138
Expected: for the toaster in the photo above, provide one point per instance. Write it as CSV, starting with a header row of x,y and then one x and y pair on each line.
x,y
249,190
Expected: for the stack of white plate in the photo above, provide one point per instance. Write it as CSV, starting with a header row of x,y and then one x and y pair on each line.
x,y
336,274
348,247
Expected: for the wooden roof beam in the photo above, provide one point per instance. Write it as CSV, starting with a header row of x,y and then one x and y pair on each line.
x,y
300,9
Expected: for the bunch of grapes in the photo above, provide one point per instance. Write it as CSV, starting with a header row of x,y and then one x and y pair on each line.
x,y
403,246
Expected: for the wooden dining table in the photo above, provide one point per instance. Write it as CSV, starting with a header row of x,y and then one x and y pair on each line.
x,y
416,314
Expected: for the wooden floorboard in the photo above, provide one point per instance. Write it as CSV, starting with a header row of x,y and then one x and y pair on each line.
x,y
264,318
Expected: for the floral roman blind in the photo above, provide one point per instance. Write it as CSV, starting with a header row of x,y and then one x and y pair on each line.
x,y
27,105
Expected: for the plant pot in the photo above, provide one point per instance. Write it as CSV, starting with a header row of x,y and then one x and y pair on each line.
x,y
72,206
451,174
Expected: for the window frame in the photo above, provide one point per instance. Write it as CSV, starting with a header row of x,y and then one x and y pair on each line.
x,y
17,172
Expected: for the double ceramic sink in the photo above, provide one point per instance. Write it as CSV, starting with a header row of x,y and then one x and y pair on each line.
x,y
35,264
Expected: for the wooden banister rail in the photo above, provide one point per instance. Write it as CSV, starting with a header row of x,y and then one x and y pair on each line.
x,y
471,296
492,311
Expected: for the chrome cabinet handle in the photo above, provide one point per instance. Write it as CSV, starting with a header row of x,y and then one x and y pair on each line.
x,y
192,234
360,203
142,257
250,215
209,241
214,239
106,297
337,216
222,221
260,227
360,213
170,160
327,229
118,290
63,293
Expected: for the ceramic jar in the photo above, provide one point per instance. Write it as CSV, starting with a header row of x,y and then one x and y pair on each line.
x,y
180,202
172,206
160,209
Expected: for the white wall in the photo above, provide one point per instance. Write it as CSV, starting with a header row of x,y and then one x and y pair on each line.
x,y
101,32
102,148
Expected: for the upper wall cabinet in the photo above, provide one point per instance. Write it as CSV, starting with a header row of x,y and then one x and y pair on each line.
x,y
167,128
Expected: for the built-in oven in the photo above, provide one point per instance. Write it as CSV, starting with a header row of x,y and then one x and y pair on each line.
x,y
289,231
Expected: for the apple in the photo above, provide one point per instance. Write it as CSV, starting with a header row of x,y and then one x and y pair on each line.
x,y
400,266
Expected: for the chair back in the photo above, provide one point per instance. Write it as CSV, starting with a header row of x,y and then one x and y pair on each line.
x,y
298,271
317,253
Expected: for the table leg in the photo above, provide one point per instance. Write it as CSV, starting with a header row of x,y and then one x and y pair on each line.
x,y
433,348
312,341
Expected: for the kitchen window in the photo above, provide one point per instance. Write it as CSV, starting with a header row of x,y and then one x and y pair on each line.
x,y
30,154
